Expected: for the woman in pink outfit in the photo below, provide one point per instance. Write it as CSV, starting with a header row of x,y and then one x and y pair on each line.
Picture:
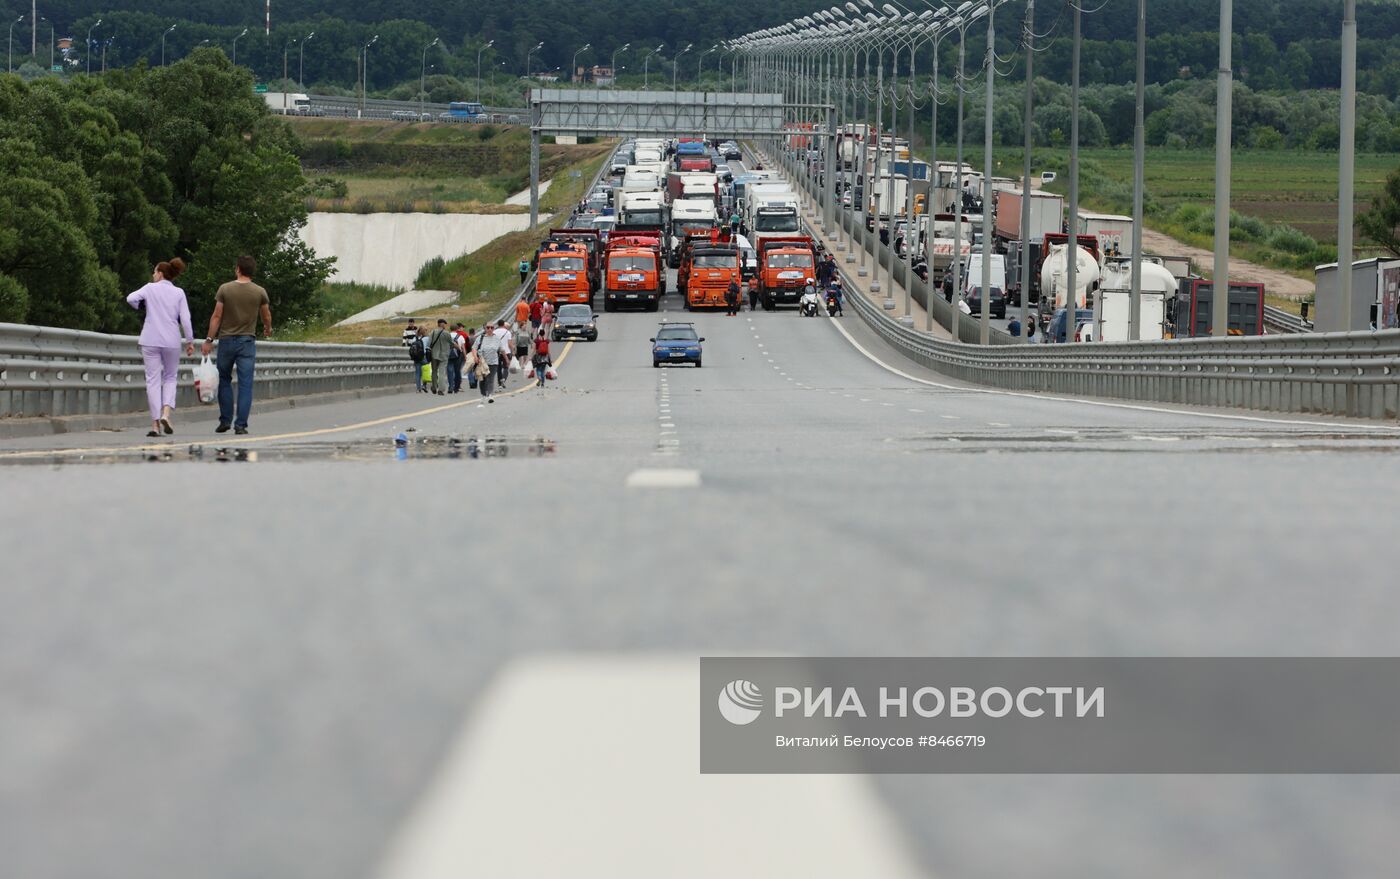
x,y
167,324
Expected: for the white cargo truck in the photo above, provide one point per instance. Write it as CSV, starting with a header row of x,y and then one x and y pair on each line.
x,y
1115,232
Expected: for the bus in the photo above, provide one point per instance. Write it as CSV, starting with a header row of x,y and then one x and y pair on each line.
x,y
464,111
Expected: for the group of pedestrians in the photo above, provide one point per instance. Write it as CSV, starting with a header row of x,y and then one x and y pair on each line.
x,y
167,329
443,356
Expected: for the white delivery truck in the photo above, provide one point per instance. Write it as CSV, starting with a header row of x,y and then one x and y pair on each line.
x,y
974,270
1047,214
899,206
689,215
288,103
769,209
1115,232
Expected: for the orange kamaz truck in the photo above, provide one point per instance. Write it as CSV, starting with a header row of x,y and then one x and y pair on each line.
x,y
633,272
563,274
784,265
707,267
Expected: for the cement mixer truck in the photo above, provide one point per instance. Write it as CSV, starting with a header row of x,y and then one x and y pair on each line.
x,y
1112,307
1054,274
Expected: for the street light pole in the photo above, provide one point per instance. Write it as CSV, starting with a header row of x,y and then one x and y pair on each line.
x,y
1346,152
538,46
676,63
646,67
88,53
573,65
1029,138
1220,298
423,78
1072,244
285,50
700,67
301,60
985,336
10,64
489,44
613,63
162,43
1139,149
234,59
364,74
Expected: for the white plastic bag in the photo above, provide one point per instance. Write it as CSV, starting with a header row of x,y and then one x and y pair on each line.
x,y
206,381
551,373
514,365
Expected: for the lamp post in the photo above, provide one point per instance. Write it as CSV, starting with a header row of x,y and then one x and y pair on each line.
x,y
646,71
700,66
489,44
537,47
1346,156
1220,277
234,59
423,78
675,65
573,65
1139,148
88,54
1025,263
613,64
285,50
301,60
105,45
985,336
162,43
364,73
10,64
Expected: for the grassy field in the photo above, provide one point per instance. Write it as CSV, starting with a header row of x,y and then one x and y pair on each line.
x,y
1296,188
427,167
420,133
335,302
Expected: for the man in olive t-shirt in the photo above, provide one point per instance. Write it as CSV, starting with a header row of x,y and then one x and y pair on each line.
x,y
237,307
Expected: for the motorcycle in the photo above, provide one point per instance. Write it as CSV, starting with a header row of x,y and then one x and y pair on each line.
x,y
833,305
807,306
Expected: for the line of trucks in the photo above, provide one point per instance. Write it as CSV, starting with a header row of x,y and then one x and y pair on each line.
x,y
666,206
1175,301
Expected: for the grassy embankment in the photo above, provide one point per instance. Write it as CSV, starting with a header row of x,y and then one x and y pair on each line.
x,y
389,166
1284,203
485,278
367,166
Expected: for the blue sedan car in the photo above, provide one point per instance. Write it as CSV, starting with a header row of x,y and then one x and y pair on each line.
x,y
676,343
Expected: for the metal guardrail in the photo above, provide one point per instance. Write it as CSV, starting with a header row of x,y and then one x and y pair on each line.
x,y
48,371
1276,320
382,108
1348,374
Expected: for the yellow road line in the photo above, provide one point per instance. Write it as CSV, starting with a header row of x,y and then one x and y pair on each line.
x,y
301,434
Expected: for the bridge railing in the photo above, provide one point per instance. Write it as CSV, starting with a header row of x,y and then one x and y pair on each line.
x,y
1350,374
48,371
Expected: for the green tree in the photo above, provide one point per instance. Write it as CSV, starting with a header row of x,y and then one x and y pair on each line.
x,y
1381,223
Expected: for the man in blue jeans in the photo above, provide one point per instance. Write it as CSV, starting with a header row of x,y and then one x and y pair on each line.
x,y
237,307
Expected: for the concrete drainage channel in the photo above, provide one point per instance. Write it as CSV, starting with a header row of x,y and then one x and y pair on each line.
x,y
402,447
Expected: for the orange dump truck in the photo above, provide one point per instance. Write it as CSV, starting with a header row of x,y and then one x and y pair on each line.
x,y
563,274
633,272
707,267
784,265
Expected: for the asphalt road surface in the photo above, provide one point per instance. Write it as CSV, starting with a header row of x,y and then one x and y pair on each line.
x,y
306,653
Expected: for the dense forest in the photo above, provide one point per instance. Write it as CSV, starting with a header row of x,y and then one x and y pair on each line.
x,y
101,178
1279,44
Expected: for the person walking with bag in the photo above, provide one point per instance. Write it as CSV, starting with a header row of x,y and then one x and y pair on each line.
x,y
541,360
439,352
487,362
167,324
237,306
413,340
